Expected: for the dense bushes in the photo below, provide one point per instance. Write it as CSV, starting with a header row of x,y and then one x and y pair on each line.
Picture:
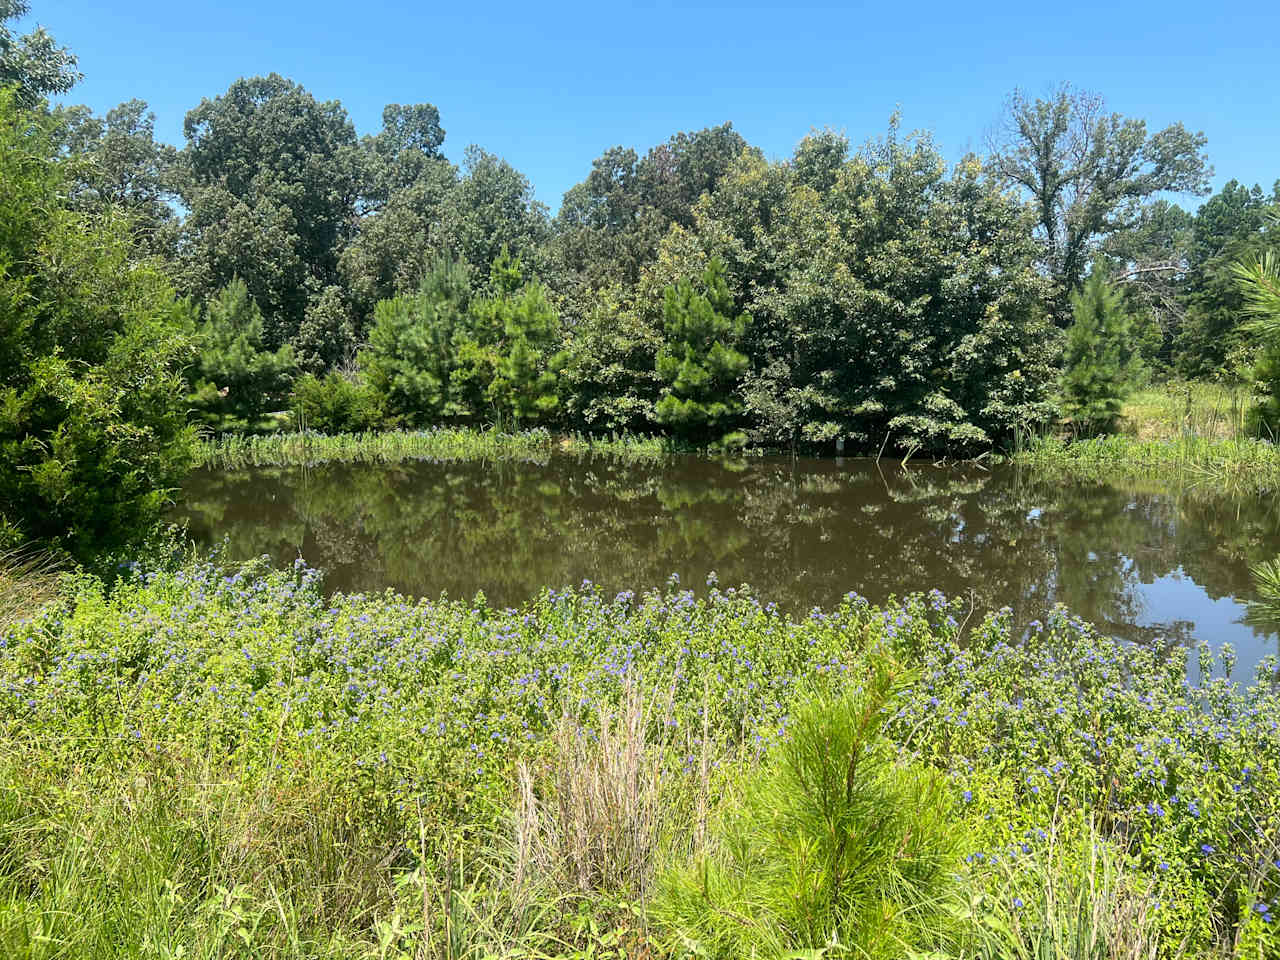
x,y
92,346
336,403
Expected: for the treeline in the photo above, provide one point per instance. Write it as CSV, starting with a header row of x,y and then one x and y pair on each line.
x,y
869,296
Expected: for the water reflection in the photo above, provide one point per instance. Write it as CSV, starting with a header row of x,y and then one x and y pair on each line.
x,y
1139,562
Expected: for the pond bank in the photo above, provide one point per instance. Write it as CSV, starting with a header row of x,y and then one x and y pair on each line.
x,y
302,763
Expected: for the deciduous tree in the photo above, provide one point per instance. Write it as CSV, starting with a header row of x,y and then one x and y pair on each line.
x,y
1088,173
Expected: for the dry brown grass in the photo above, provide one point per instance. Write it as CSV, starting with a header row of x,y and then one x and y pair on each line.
x,y
28,580
592,815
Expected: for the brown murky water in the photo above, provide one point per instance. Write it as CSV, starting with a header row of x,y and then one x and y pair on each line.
x,y
1138,562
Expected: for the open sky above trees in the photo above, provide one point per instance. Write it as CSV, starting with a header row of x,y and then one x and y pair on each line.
x,y
548,87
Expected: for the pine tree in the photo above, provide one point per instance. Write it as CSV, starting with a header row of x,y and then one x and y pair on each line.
x,y
700,361
1259,279
411,357
235,375
509,361
1099,364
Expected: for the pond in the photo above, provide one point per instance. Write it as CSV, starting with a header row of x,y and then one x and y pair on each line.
x,y
1140,562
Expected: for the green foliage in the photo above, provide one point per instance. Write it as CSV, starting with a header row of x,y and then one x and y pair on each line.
x,y
1073,727
1245,465
32,66
1099,362
700,361
836,848
269,177
1259,281
336,403
282,758
115,163
410,359
1088,175
92,344
1264,415
442,444
445,355
235,376
610,379
517,322
491,209
1229,228
329,335
610,225
900,307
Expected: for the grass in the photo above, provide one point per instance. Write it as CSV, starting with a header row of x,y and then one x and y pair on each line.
x,y
27,582
439,444
1241,465
214,762
1204,410
1192,434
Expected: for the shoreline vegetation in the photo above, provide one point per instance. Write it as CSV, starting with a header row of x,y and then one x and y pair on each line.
x,y
1192,433
366,776
440,444
1243,465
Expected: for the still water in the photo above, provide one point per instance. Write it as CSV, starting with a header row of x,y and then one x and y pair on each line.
x,y
1140,562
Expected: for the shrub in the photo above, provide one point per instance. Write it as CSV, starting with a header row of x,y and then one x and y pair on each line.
x,y
92,344
336,403
834,845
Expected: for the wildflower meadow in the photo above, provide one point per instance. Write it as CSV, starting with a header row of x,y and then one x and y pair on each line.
x,y
220,761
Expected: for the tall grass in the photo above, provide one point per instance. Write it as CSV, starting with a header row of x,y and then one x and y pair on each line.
x,y
1074,900
439,444
1246,465
1209,411
591,813
27,582
1191,433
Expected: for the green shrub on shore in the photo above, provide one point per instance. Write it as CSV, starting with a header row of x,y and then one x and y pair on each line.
x,y
834,844
93,429
336,404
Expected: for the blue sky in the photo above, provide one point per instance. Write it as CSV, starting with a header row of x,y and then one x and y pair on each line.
x,y
550,86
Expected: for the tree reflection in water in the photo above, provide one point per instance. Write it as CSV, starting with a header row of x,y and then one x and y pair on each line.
x,y
801,533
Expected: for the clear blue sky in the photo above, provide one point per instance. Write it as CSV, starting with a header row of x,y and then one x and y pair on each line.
x,y
550,86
